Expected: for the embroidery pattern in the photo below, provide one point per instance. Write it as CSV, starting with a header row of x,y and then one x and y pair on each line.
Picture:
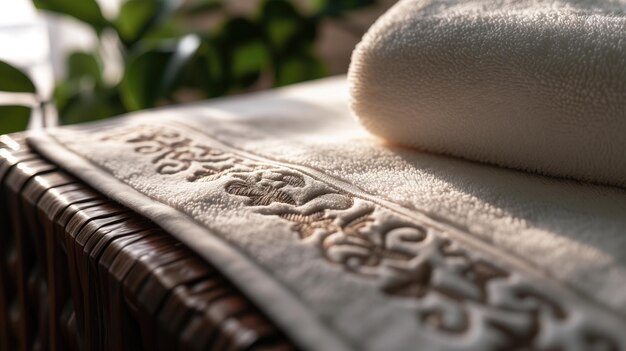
x,y
456,291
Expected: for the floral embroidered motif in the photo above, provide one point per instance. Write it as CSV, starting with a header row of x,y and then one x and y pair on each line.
x,y
452,289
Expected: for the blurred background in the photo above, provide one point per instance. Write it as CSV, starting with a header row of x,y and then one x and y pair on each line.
x,y
71,61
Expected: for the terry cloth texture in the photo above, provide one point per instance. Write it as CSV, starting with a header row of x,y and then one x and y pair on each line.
x,y
528,84
349,244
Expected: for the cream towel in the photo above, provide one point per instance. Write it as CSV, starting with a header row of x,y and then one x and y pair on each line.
x,y
528,84
348,244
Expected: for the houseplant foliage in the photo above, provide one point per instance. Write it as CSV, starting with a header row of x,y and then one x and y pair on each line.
x,y
14,116
166,60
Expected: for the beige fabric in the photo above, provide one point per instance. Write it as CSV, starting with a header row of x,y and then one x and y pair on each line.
x,y
529,84
348,243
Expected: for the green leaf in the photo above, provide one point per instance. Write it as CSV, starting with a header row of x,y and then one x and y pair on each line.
x,y
139,86
281,30
244,51
334,8
185,49
86,11
249,58
90,106
298,68
13,118
239,29
134,18
153,75
63,92
138,17
206,71
81,65
170,29
200,7
214,62
283,24
14,80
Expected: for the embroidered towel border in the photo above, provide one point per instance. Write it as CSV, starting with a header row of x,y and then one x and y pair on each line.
x,y
493,281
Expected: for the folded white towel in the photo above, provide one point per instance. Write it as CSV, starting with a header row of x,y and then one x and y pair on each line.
x,y
528,84
347,244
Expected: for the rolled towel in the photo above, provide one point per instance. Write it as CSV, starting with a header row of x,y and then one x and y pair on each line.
x,y
527,84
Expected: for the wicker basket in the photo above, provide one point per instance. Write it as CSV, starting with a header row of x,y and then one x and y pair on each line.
x,y
80,272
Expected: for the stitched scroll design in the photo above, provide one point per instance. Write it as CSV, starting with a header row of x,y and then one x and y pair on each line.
x,y
471,301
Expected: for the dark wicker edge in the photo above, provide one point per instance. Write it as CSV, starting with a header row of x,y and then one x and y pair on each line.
x,y
81,272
